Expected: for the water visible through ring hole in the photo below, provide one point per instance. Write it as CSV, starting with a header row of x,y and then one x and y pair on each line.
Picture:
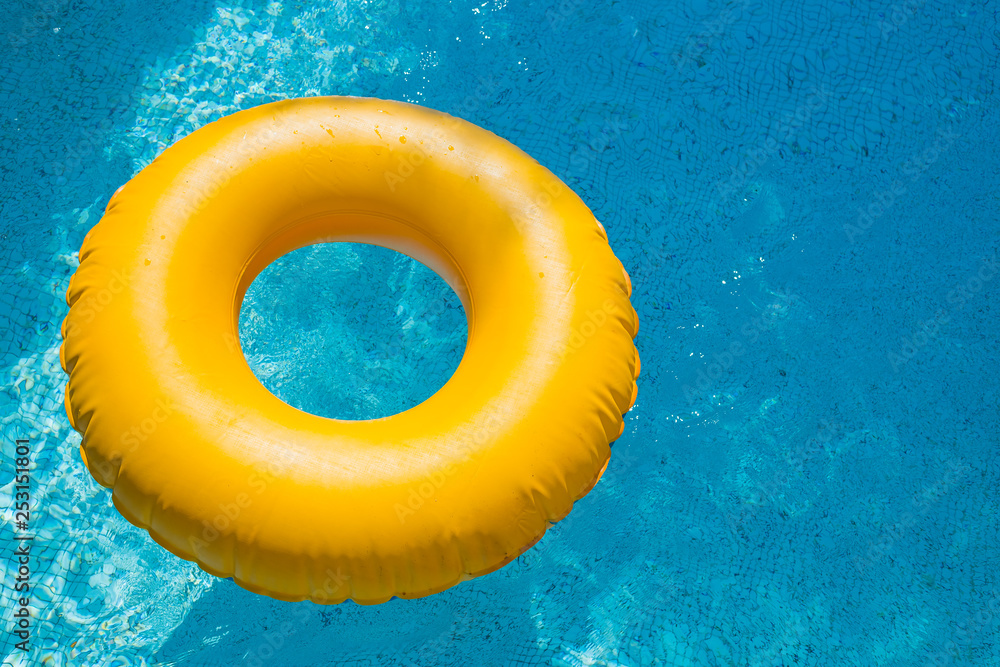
x,y
351,331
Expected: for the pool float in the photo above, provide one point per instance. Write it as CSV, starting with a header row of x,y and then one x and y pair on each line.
x,y
296,506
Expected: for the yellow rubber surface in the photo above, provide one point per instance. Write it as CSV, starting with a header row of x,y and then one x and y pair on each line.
x,y
296,506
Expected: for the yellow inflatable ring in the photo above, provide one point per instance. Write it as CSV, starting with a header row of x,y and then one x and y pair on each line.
x,y
297,506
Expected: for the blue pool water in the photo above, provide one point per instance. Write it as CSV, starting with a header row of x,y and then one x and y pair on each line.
x,y
806,198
